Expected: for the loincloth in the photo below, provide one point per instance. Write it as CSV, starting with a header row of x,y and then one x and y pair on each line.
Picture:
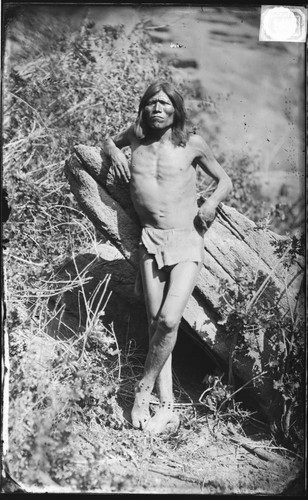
x,y
171,246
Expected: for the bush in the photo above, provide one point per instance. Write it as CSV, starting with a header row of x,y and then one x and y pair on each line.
x,y
257,325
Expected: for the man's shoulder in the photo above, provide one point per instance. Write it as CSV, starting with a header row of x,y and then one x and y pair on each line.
x,y
196,142
131,130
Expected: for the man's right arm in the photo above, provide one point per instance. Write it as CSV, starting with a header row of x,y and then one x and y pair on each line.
x,y
112,148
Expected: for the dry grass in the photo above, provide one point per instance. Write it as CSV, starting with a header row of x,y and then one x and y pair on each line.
x,y
70,428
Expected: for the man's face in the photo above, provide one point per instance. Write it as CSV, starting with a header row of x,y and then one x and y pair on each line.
x,y
159,111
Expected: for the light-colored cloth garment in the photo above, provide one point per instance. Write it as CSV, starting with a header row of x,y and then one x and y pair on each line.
x,y
171,246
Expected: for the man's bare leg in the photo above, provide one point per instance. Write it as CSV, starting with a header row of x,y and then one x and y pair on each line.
x,y
182,280
154,285
164,415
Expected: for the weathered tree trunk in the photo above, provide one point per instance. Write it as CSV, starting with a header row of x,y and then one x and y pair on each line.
x,y
235,249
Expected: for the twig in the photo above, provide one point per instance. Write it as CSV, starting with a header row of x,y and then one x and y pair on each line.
x,y
240,388
177,475
70,110
117,346
10,144
265,455
288,298
179,405
156,27
269,447
28,262
264,284
33,109
259,260
44,167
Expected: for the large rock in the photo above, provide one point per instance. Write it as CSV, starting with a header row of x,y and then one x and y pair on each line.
x,y
236,249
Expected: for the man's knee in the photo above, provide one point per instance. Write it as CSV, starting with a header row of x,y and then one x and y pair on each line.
x,y
168,322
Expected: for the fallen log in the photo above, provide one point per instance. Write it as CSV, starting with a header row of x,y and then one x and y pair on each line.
x,y
236,250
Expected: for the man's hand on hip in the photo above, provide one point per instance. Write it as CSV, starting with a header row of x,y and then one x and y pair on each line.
x,y
206,215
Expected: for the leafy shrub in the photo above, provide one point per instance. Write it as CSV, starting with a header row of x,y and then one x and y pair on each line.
x,y
256,323
73,91
55,386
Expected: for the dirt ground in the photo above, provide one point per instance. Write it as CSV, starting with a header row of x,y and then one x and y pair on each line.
x,y
214,459
201,457
225,454
214,466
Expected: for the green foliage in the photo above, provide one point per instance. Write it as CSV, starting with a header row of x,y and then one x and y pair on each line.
x,y
291,249
272,340
72,91
219,398
56,386
247,198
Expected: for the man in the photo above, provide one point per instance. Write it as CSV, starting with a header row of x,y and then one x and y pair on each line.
x,y
163,190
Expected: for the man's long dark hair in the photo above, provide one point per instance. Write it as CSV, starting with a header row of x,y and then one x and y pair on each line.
x,y
179,134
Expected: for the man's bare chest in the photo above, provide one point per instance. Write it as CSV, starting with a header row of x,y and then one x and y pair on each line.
x,y
160,160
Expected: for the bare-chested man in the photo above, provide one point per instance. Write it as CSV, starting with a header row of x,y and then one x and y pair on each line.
x,y
162,181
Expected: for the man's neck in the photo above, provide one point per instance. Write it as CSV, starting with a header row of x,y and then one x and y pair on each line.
x,y
159,135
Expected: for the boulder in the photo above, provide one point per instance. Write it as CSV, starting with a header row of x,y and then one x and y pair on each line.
x,y
237,251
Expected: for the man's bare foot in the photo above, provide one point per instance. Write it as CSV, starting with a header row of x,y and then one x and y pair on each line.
x,y
140,413
163,418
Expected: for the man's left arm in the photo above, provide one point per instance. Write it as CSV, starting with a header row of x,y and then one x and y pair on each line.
x,y
206,160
